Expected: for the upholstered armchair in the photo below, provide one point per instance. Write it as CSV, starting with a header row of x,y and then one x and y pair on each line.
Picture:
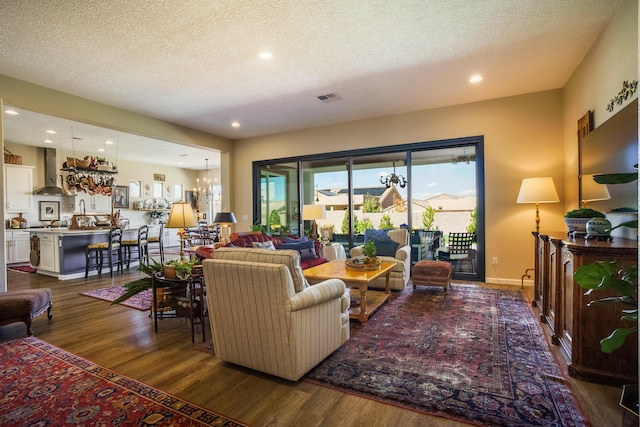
x,y
265,316
392,246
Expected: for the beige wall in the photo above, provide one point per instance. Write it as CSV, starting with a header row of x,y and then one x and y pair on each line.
x,y
611,60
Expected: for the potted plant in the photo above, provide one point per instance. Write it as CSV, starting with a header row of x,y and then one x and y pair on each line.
x,y
577,219
155,216
179,268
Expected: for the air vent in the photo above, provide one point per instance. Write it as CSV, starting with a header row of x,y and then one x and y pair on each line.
x,y
330,97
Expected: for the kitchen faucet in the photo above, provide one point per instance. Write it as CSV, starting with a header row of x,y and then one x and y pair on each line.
x,y
83,207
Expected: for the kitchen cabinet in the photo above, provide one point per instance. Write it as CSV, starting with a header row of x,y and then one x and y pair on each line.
x,y
18,188
49,254
96,203
17,246
574,326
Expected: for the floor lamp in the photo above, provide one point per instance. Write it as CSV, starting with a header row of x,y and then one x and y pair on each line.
x,y
311,213
538,190
181,216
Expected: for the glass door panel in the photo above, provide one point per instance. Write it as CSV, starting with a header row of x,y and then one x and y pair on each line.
x,y
326,182
444,204
279,210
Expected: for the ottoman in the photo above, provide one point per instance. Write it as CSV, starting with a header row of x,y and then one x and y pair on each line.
x,y
24,305
431,273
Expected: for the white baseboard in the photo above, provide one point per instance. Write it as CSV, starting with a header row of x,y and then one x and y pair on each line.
x,y
509,282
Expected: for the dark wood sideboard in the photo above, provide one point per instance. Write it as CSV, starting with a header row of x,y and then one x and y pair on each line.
x,y
577,328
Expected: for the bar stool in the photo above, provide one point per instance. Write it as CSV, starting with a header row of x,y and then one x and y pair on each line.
x,y
141,245
158,240
110,248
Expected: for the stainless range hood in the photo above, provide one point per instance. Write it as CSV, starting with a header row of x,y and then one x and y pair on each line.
x,y
50,176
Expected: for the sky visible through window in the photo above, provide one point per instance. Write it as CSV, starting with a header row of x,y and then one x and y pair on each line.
x,y
428,180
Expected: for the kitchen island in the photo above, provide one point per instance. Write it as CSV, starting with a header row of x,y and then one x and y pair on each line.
x,y
60,252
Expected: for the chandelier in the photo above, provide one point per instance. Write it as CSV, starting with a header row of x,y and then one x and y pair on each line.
x,y
394,179
204,190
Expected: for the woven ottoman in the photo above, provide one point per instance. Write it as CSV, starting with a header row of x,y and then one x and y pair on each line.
x,y
431,273
24,305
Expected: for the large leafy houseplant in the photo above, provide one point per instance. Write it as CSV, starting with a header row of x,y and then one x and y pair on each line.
x,y
136,286
602,275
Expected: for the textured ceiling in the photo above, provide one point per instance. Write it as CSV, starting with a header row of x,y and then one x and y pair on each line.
x,y
195,62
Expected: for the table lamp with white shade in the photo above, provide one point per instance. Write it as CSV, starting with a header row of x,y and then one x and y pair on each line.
x,y
538,190
312,213
181,216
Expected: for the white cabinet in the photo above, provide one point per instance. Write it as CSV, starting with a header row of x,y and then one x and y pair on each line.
x,y
17,246
48,253
170,238
18,188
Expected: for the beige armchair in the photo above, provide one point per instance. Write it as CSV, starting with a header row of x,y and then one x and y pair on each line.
x,y
265,316
402,258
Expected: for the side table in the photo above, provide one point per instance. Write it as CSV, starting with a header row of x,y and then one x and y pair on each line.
x,y
179,298
333,251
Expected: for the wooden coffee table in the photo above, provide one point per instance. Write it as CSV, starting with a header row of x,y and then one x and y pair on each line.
x,y
370,301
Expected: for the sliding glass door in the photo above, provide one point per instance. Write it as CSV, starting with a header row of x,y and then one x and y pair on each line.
x,y
433,189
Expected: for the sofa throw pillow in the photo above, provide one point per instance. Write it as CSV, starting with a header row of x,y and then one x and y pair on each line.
x,y
307,249
288,239
264,245
386,248
376,235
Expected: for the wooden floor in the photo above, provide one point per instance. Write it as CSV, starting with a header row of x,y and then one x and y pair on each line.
x,y
122,339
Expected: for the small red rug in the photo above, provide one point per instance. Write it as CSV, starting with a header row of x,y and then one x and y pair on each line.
x,y
41,384
22,268
141,301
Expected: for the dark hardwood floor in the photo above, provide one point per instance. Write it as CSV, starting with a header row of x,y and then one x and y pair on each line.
x,y
123,339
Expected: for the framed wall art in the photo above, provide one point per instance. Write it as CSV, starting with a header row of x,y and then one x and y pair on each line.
x,y
121,197
49,211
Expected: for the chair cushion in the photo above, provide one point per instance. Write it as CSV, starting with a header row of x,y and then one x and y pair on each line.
x,y
130,242
103,245
264,245
377,235
386,248
306,248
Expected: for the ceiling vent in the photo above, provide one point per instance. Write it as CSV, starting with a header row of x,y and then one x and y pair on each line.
x,y
330,97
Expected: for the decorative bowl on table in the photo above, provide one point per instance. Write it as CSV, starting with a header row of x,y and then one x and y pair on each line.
x,y
362,263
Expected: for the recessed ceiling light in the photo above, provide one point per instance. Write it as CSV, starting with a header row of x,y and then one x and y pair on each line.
x,y
108,142
51,131
235,124
12,112
48,141
101,150
476,78
265,55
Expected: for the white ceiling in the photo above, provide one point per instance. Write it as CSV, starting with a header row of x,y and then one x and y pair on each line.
x,y
195,62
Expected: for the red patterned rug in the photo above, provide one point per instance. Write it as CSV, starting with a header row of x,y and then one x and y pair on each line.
x,y
22,268
141,301
42,385
476,355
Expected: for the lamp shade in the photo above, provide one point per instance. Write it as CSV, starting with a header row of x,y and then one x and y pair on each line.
x,y
592,191
313,212
181,216
225,218
538,190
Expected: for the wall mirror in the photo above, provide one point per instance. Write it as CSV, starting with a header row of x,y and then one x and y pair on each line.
x,y
612,147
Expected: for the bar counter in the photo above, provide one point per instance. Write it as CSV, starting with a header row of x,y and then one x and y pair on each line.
x,y
60,252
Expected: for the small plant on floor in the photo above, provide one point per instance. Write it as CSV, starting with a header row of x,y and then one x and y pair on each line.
x,y
142,284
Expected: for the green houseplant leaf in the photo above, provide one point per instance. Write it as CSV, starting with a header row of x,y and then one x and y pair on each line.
x,y
136,286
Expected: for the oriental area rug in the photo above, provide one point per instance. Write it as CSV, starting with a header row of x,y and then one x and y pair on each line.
x,y
42,385
472,354
140,301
